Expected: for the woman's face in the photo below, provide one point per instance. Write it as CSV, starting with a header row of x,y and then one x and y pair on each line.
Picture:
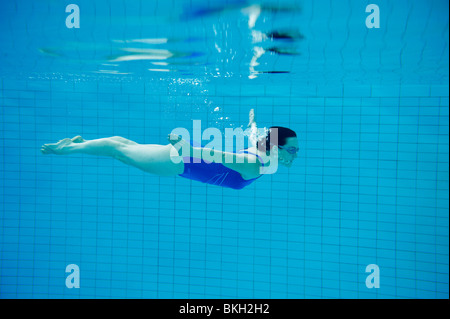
x,y
285,155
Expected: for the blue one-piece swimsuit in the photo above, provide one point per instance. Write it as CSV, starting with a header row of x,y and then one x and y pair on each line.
x,y
216,173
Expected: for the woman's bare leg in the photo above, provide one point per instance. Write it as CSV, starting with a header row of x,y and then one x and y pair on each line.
x,y
123,140
152,158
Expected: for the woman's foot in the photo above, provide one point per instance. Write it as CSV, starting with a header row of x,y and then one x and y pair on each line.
x,y
57,148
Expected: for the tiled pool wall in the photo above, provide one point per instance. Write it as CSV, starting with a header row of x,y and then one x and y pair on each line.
x,y
370,186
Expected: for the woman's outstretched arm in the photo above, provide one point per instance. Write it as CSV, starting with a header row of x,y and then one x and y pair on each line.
x,y
247,166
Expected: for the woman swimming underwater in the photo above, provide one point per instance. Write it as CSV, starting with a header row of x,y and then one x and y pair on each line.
x,y
226,169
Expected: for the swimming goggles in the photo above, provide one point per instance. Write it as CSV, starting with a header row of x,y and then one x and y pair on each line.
x,y
290,150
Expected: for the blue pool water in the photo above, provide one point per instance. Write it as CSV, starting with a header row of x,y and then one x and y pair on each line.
x,y
370,185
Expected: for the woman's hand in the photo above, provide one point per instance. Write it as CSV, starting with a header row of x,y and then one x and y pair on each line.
x,y
179,144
